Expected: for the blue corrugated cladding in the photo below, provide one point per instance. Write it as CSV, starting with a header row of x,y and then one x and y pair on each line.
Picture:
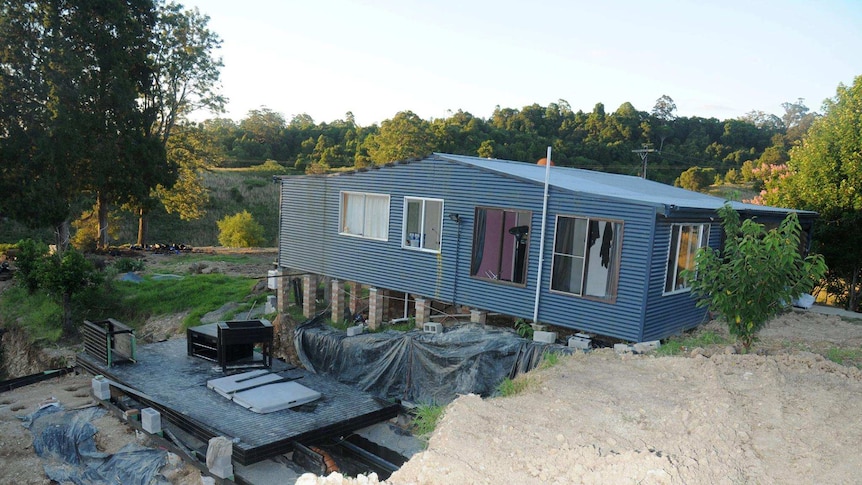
x,y
671,314
309,241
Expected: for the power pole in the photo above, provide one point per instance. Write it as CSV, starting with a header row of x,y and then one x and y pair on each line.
x,y
644,153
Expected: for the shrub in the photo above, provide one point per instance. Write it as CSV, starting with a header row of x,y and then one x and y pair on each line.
x,y
426,417
240,231
30,254
127,265
524,329
755,276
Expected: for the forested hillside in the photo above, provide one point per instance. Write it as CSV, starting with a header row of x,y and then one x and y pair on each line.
x,y
598,140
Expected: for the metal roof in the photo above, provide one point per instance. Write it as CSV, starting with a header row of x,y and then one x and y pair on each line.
x,y
665,198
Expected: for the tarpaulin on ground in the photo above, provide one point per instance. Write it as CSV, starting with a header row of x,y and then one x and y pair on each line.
x,y
417,366
65,442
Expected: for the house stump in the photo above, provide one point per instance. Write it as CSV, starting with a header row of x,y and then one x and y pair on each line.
x,y
478,316
337,300
355,297
423,312
282,292
375,308
309,294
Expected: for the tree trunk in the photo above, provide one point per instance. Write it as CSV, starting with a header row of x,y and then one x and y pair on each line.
x,y
68,325
853,294
62,237
103,222
143,226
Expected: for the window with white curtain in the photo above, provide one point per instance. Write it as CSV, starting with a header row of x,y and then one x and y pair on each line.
x,y
586,257
685,240
423,224
365,215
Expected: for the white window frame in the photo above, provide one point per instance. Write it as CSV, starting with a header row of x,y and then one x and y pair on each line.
x,y
703,230
364,216
409,240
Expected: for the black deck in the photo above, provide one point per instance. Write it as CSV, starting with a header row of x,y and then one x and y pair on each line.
x,y
167,379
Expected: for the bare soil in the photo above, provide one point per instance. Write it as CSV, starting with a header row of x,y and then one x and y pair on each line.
x,y
780,414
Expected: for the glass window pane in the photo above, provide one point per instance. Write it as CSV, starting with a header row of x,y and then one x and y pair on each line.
x,y
377,217
353,218
601,267
565,231
670,276
413,223
433,226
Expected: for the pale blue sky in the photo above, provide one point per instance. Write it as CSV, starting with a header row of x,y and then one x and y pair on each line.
x,y
377,57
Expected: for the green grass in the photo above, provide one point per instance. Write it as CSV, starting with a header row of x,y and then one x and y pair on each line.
x,y
199,294
737,192
38,313
549,359
243,308
679,344
512,387
182,263
425,418
849,357
400,327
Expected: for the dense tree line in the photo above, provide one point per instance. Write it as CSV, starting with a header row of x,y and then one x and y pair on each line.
x,y
91,94
596,140
823,173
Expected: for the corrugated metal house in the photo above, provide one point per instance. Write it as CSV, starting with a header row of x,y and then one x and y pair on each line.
x,y
467,230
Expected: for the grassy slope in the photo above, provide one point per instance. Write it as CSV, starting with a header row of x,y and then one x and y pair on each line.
x,y
231,191
134,303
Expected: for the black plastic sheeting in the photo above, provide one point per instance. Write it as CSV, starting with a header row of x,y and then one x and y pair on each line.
x,y
420,367
65,442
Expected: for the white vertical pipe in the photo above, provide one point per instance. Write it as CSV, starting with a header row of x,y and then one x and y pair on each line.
x,y
542,238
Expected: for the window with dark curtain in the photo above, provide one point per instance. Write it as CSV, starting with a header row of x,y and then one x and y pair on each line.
x,y
500,245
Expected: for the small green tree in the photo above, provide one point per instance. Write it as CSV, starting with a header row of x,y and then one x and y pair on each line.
x,y
61,276
756,274
240,231
696,178
30,254
64,276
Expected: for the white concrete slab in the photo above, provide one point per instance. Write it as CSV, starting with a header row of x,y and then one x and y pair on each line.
x,y
227,386
275,397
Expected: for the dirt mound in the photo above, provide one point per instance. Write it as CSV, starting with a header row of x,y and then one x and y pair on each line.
x,y
782,414
602,418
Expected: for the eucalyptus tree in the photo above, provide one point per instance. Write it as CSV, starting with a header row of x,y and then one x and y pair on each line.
x,y
187,79
71,124
404,136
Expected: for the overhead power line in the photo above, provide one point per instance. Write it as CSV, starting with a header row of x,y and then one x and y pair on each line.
x,y
644,153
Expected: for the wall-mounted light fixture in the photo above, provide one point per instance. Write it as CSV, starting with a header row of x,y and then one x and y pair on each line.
x,y
454,217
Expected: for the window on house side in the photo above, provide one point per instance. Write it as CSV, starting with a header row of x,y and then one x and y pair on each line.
x,y
586,257
423,224
365,215
500,240
685,240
